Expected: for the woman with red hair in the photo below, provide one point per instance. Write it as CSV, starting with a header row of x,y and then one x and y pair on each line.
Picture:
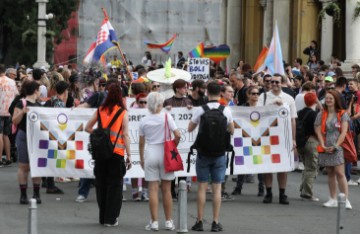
x,y
109,172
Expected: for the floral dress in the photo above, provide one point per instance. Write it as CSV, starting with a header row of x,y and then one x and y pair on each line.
x,y
332,135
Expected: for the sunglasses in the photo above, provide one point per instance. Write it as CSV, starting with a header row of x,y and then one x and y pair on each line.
x,y
267,81
102,85
275,82
156,86
255,94
142,102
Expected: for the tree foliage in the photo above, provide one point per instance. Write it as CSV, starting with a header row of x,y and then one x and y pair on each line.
x,y
18,28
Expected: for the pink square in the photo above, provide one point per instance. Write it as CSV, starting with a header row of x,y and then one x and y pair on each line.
x,y
274,140
275,158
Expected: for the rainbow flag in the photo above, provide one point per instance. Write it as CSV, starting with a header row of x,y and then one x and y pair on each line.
x,y
198,51
166,47
259,65
217,53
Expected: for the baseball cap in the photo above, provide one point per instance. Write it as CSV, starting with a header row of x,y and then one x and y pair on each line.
x,y
331,73
329,79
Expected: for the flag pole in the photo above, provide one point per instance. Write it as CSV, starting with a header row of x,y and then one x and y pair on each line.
x,y
116,43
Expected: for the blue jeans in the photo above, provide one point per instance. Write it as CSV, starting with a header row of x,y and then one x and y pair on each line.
x,y
213,166
84,186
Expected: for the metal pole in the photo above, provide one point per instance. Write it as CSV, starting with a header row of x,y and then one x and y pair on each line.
x,y
41,43
32,222
340,213
182,208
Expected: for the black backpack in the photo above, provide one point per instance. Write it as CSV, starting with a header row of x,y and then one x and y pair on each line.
x,y
211,138
301,136
100,145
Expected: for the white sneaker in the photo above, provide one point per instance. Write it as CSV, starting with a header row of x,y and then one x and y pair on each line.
x,y
331,203
112,225
301,166
80,198
348,205
352,183
152,226
145,196
169,225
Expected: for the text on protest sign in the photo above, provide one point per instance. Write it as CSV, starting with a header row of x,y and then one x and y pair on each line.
x,y
199,68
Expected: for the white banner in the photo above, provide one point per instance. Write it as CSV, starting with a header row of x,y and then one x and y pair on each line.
x,y
57,141
199,68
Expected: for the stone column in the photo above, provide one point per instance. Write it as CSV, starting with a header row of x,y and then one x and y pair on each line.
x,y
281,9
352,35
41,44
268,21
326,35
233,38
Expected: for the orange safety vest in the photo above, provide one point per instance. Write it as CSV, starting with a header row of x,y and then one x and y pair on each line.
x,y
105,120
324,118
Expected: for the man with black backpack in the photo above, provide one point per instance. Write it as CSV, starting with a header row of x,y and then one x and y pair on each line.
x,y
307,143
215,126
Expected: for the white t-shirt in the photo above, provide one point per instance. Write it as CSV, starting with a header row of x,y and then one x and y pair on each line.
x,y
152,127
284,97
300,101
212,105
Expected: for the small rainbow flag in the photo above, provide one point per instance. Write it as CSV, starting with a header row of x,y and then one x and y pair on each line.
x,y
166,47
217,53
259,65
198,51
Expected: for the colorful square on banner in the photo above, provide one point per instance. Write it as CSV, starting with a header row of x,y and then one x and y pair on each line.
x,y
257,159
79,145
60,163
43,144
275,158
42,162
239,160
238,142
265,149
52,154
79,164
274,140
70,154
247,150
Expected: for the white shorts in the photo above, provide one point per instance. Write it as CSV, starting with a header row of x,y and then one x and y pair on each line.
x,y
154,164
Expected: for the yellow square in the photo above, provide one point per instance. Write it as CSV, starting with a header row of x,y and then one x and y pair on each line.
x,y
70,154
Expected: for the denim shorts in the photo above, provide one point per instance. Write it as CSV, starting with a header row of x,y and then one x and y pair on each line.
x,y
215,167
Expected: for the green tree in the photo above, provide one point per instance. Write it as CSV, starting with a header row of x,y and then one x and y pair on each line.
x,y
18,28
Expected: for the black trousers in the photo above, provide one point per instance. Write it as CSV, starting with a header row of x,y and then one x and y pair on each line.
x,y
109,175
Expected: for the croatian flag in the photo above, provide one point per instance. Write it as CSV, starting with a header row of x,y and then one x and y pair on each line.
x,y
102,44
274,59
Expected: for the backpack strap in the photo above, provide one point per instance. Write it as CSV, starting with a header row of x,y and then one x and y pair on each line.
x,y
221,107
205,107
191,152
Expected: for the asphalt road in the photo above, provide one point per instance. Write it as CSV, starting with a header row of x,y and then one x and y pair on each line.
x,y
246,214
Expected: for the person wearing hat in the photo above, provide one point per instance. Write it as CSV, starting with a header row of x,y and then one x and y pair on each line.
x,y
308,152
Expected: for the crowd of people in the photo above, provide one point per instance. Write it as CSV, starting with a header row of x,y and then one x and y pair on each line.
x,y
316,93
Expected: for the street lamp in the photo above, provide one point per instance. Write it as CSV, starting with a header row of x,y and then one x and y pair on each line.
x,y
41,43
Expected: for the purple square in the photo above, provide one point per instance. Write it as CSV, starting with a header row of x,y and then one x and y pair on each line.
x,y
43,144
238,142
42,162
239,160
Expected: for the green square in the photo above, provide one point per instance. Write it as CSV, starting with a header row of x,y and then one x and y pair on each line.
x,y
60,163
257,159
